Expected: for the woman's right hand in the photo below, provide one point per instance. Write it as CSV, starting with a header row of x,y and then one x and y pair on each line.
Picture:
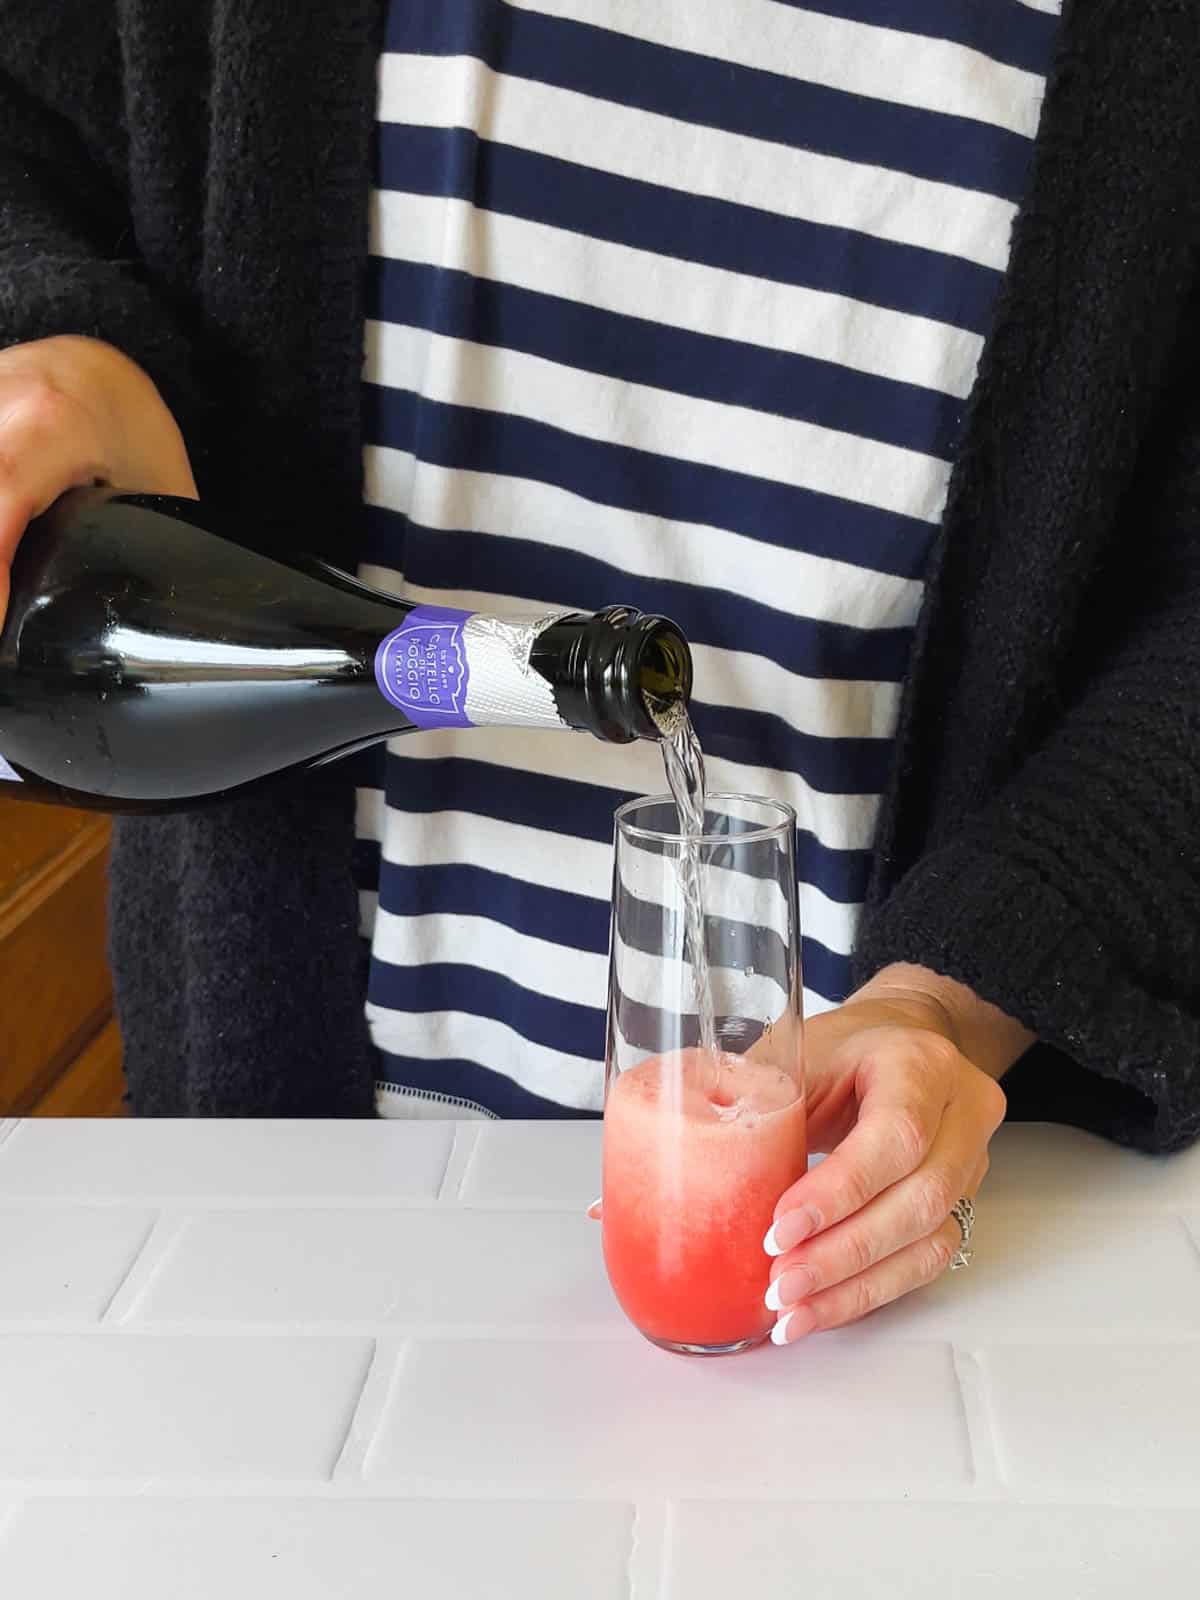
x,y
75,411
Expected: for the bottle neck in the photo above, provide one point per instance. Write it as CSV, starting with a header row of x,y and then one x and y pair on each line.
x,y
445,668
614,673
619,673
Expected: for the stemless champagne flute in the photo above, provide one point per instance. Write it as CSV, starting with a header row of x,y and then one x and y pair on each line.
x,y
699,1145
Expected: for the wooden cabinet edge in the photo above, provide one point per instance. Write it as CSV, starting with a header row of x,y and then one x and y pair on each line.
x,y
93,1085
47,880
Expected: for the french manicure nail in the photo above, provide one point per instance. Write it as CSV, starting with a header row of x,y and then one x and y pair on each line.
x,y
794,1325
789,1287
791,1229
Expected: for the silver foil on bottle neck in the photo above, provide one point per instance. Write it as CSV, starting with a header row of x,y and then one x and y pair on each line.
x,y
503,687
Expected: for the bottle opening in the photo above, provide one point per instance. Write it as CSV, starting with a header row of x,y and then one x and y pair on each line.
x,y
665,678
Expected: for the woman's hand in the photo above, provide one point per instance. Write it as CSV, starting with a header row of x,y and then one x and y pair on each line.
x,y
74,411
902,1089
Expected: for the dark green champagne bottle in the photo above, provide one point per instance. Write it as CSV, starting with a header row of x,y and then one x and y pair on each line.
x,y
151,660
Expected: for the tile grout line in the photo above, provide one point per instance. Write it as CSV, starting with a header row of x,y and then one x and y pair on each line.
x,y
143,1486
977,1420
646,1571
1190,1233
155,1249
368,1412
8,1517
458,1163
469,1163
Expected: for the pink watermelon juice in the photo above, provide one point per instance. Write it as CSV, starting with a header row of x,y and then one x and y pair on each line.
x,y
697,1151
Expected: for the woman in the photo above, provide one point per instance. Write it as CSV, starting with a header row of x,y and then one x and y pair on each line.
x,y
676,304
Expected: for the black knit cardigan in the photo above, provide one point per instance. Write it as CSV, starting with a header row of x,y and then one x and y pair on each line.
x,y
189,182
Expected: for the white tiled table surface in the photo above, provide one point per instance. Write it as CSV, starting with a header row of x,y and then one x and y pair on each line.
x,y
332,1361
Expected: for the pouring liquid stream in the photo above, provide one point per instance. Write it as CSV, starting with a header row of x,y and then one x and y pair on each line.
x,y
684,762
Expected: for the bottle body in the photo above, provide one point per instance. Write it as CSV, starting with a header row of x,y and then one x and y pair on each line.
x,y
149,661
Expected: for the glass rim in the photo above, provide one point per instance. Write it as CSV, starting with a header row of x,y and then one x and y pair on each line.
x,y
630,830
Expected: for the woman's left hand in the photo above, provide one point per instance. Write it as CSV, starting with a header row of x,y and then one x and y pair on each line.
x,y
908,1118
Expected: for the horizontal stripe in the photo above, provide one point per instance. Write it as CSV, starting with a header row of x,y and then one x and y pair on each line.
x,y
825,972
460,863
895,102
832,922
799,644
427,818
450,1034
457,888
441,230
490,779
637,416
624,478
748,893
549,1039
442,503
895,66
462,897
552,971
1018,32
468,1082
830,766
648,216
458,91
575,977
638,351
842,822
813,1003
558,1047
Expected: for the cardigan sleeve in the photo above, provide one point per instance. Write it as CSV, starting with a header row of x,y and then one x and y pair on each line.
x,y
1072,899
68,254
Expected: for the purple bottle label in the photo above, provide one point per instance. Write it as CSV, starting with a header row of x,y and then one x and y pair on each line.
x,y
422,667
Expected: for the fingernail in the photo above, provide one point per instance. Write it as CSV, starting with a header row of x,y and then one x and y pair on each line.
x,y
791,1327
789,1287
791,1229
593,1210
779,1331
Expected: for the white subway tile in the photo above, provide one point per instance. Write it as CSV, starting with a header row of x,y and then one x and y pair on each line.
x,y
222,1162
1041,1273
163,1549
1107,1420
472,1270
918,1552
550,1165
61,1263
621,1418
103,1407
1040,1163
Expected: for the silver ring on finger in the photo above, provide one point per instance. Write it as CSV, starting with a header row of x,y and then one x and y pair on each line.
x,y
963,1213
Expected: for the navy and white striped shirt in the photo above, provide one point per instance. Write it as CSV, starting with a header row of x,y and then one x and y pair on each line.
x,y
677,303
